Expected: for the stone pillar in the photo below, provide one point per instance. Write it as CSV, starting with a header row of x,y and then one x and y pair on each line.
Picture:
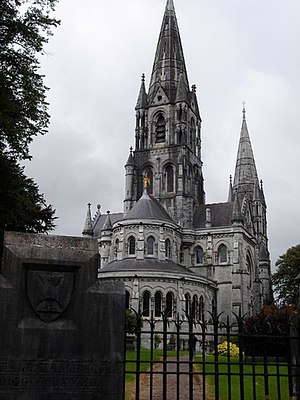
x,y
64,329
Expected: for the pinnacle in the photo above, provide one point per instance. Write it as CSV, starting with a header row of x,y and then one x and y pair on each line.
x,y
170,5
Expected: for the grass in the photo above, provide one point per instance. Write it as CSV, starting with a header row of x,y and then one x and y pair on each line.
x,y
253,379
251,384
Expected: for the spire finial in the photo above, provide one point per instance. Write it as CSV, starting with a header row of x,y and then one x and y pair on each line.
x,y
143,77
230,179
244,110
194,88
130,149
170,5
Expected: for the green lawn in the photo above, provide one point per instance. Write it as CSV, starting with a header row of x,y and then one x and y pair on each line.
x,y
252,384
258,382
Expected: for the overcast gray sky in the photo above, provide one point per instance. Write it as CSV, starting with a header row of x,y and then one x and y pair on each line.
x,y
234,50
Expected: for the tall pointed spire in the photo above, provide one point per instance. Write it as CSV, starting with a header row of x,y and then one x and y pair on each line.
x,y
245,177
88,228
142,99
169,59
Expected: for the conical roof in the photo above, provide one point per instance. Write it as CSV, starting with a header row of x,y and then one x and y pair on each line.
x,y
142,98
169,60
245,177
88,228
147,207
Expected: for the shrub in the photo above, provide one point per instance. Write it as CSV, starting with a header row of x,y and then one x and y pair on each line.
x,y
231,348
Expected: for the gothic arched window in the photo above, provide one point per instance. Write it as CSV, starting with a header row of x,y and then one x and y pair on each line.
x,y
146,303
169,304
150,245
201,308
249,268
187,304
131,245
127,299
222,253
168,248
160,131
157,304
170,178
199,255
195,307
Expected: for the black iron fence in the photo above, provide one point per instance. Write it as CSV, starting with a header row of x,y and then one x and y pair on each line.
x,y
226,358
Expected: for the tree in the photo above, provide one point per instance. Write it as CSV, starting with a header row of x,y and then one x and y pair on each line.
x,y
25,26
284,279
22,207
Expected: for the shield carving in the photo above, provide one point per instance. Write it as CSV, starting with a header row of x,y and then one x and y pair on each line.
x,y
49,292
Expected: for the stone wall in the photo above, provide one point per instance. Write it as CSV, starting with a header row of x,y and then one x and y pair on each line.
x,y
62,330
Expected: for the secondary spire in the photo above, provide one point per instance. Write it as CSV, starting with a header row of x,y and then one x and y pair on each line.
x,y
245,177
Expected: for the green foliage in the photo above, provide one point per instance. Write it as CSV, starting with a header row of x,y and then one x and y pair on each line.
x,y
228,348
157,340
131,321
25,26
22,207
284,279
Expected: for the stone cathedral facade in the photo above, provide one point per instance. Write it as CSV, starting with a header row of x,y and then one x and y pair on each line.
x,y
173,251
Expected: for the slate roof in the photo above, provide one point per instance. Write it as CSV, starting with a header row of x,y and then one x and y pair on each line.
x,y
99,222
147,264
148,207
221,214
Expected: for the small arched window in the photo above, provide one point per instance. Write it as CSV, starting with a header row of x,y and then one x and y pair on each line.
x,y
201,308
157,304
187,304
131,245
168,248
127,299
160,132
150,245
195,307
169,304
249,268
170,178
222,253
199,255
146,304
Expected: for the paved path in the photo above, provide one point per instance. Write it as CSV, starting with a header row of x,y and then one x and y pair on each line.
x,y
171,383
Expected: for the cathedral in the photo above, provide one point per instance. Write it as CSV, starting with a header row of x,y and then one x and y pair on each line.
x,y
173,251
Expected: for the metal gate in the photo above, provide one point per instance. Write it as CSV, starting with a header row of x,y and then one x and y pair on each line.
x,y
226,358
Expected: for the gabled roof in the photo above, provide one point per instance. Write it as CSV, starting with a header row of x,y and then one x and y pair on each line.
x,y
147,207
99,222
221,214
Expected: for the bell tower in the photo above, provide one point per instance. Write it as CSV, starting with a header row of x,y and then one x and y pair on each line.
x,y
168,131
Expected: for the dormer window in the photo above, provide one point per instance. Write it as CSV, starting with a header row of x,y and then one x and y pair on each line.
x,y
160,132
